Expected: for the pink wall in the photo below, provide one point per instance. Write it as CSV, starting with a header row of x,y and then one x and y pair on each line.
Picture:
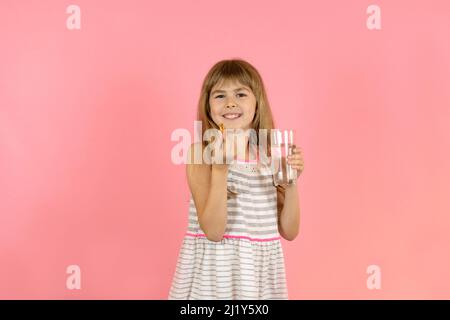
x,y
86,116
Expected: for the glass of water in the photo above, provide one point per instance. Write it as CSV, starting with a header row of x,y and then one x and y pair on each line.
x,y
281,146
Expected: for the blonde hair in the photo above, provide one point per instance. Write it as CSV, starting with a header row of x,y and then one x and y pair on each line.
x,y
243,72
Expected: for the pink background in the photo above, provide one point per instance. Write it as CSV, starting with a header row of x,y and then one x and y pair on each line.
x,y
86,117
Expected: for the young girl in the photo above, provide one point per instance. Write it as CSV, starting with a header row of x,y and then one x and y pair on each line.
x,y
232,247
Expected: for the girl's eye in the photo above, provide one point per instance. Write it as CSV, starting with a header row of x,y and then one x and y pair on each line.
x,y
221,95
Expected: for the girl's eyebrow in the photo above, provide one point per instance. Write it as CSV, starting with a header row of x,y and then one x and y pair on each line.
x,y
235,90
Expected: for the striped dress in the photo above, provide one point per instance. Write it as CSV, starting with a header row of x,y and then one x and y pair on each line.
x,y
248,263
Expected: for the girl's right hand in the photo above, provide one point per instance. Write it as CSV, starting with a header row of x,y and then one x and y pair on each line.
x,y
222,163
226,159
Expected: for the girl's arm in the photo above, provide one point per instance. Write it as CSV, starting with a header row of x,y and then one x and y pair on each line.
x,y
208,185
288,202
288,212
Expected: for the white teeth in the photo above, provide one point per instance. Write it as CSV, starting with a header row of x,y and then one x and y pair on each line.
x,y
231,115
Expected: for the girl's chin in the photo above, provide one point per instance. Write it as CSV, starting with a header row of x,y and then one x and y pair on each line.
x,y
236,128
236,125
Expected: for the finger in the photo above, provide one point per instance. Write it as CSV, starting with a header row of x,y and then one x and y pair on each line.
x,y
295,159
295,156
295,152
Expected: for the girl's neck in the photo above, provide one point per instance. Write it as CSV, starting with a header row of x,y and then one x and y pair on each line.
x,y
250,156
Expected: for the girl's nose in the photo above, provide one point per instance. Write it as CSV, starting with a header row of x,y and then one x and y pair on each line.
x,y
231,104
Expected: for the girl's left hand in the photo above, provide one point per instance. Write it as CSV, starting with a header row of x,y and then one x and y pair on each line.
x,y
296,160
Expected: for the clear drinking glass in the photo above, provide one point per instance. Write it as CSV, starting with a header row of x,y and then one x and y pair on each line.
x,y
281,146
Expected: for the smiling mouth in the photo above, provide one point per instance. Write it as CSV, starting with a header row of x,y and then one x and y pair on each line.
x,y
232,116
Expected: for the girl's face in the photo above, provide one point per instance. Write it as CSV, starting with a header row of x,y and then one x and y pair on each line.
x,y
233,105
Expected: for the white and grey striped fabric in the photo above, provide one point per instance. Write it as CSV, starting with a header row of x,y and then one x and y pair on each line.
x,y
249,262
